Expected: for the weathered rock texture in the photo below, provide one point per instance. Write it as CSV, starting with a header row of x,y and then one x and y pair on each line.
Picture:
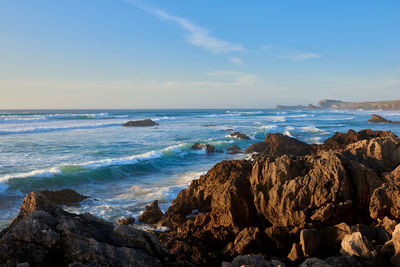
x,y
45,235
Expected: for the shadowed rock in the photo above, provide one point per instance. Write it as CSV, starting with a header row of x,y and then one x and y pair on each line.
x,y
63,197
277,144
45,235
233,149
152,214
206,147
140,123
239,135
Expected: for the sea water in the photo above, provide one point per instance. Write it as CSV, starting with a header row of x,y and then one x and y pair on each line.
x,y
123,169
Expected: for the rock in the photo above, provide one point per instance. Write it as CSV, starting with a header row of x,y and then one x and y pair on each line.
x,y
378,119
333,236
252,261
295,253
341,140
355,245
345,261
290,191
233,149
395,243
277,144
63,197
393,176
248,240
309,242
206,147
140,123
385,202
152,214
45,235
239,135
374,235
314,262
388,224
126,221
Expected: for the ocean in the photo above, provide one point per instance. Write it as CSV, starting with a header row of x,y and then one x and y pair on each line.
x,y
123,169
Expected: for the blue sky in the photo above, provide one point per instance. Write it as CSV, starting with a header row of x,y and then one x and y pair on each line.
x,y
196,54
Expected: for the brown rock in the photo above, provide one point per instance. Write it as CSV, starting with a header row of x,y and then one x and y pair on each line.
x,y
63,197
341,140
45,235
206,147
152,214
355,245
233,149
140,123
278,144
248,240
378,119
385,201
309,242
239,135
126,221
295,253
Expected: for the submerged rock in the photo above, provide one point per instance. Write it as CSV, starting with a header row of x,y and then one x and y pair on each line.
x,y
206,147
126,221
239,135
140,123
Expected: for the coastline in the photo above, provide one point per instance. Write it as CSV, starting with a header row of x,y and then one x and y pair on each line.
x,y
291,204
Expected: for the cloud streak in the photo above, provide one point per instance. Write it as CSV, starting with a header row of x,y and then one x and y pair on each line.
x,y
196,35
290,54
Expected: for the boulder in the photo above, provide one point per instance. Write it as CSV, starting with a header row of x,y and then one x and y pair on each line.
x,y
355,245
309,242
315,262
233,149
239,135
378,119
385,202
63,197
275,145
295,253
45,235
152,214
140,123
206,147
248,240
252,261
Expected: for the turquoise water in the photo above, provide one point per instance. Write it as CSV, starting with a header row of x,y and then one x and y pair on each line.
x,y
123,168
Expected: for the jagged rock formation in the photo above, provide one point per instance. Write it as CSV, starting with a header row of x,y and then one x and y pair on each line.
x,y
239,135
152,214
206,147
45,235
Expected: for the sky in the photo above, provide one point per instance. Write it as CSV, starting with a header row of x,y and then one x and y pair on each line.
x,y
196,54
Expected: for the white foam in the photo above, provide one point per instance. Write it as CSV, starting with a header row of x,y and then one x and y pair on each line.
x,y
310,129
268,127
287,133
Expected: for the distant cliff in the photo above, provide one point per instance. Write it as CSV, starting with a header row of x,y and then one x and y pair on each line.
x,y
338,104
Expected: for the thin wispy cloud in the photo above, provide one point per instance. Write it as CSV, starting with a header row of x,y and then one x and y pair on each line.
x,y
291,54
196,35
236,60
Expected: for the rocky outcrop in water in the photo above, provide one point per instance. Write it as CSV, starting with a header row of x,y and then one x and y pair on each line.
x,y
140,123
239,135
378,119
233,149
152,214
206,147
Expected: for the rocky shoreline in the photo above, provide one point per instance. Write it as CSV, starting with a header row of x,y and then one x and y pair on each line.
x,y
292,204
338,104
